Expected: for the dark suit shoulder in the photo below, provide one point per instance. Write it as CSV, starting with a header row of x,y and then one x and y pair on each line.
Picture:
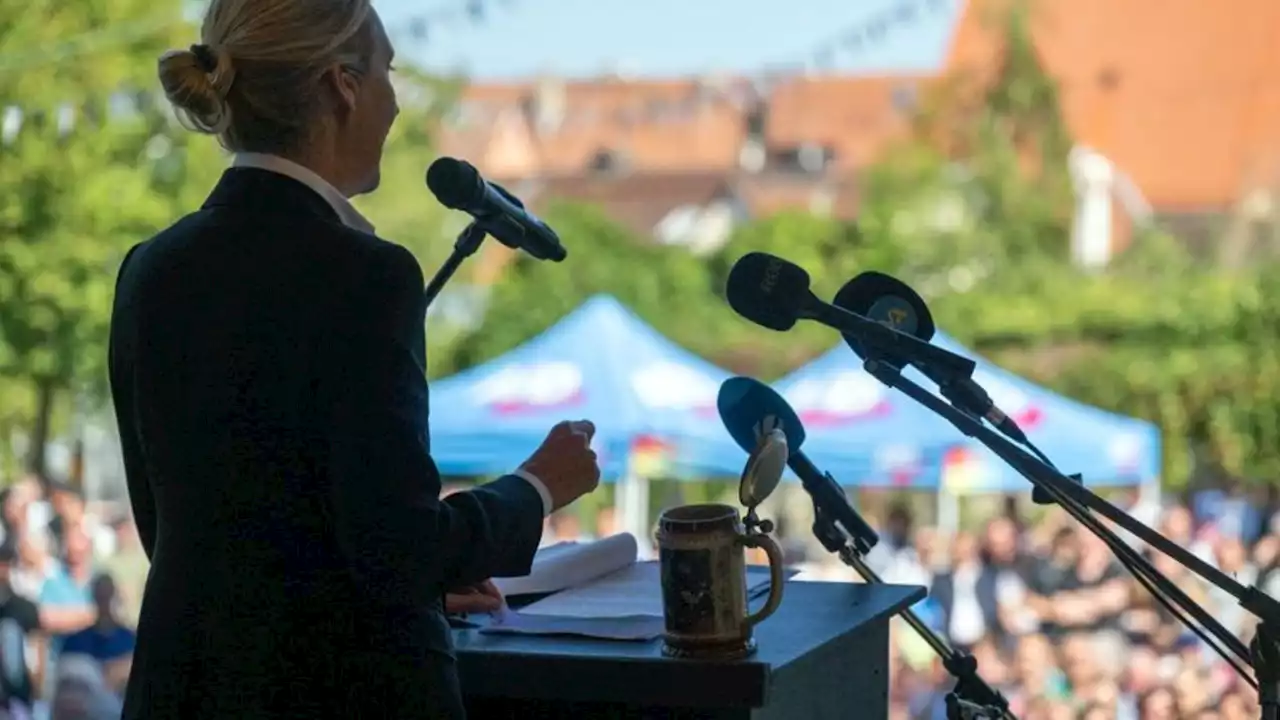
x,y
238,234
394,264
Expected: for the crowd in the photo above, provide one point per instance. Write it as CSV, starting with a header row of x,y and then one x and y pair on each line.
x,y
70,589
1055,623
1062,630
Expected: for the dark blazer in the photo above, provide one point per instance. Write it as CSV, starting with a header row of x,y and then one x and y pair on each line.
x,y
267,372
943,592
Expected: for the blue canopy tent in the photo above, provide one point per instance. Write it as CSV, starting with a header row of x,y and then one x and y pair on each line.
x,y
868,435
649,399
863,433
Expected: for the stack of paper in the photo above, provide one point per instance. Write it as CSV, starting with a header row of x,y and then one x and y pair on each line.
x,y
600,591
572,564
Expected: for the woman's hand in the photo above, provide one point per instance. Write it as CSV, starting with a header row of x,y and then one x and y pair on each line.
x,y
479,598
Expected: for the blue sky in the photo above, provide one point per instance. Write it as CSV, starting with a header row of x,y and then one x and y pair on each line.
x,y
579,38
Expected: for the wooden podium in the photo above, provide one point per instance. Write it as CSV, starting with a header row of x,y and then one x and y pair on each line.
x,y
823,656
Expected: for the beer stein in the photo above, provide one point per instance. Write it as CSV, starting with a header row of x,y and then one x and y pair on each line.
x,y
701,550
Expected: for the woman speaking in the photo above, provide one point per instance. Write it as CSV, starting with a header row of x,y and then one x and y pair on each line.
x,y
267,358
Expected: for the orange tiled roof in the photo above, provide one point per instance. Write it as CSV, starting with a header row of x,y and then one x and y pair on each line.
x,y
638,201
674,125
855,117
1183,95
665,126
769,194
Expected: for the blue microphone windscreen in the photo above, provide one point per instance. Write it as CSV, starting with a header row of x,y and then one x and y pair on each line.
x,y
749,408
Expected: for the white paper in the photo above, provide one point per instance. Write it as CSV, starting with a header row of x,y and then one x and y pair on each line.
x,y
630,591
624,605
570,564
636,627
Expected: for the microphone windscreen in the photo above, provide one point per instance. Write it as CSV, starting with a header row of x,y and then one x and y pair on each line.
x,y
749,409
767,290
888,301
455,183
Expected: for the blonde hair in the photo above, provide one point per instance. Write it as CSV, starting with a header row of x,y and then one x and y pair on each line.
x,y
253,79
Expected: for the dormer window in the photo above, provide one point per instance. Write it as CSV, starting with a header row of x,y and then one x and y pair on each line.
x,y
606,161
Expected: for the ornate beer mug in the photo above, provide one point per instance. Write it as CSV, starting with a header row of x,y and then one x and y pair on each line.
x,y
702,552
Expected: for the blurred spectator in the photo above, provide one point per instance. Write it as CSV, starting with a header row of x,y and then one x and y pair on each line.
x,y
895,558
606,522
966,594
34,565
562,526
1158,704
107,641
128,565
14,504
68,511
1053,576
1233,559
81,693
18,618
66,598
1178,525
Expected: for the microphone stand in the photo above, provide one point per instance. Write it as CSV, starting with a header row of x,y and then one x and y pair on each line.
x,y
1263,654
972,698
464,247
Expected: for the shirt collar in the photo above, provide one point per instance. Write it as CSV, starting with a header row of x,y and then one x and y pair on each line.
x,y
347,212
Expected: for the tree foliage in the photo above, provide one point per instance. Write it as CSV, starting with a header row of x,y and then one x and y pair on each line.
x,y
659,283
88,167
402,209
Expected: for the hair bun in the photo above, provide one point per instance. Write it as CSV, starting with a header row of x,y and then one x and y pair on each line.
x,y
196,81
206,57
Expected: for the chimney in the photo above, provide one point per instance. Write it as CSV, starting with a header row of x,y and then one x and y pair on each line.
x,y
1094,178
752,157
549,104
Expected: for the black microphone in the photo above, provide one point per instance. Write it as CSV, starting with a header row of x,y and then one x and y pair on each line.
x,y
774,293
888,301
891,302
458,186
749,409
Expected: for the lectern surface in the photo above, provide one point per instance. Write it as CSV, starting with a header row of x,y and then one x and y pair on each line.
x,y
817,624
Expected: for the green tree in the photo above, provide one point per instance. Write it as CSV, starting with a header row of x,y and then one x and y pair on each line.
x,y
83,176
981,188
667,287
402,209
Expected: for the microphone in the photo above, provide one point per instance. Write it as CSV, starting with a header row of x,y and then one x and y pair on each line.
x,y
458,186
774,293
750,410
888,301
891,302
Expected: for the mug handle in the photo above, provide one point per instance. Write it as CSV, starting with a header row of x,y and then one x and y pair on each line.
x,y
776,579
